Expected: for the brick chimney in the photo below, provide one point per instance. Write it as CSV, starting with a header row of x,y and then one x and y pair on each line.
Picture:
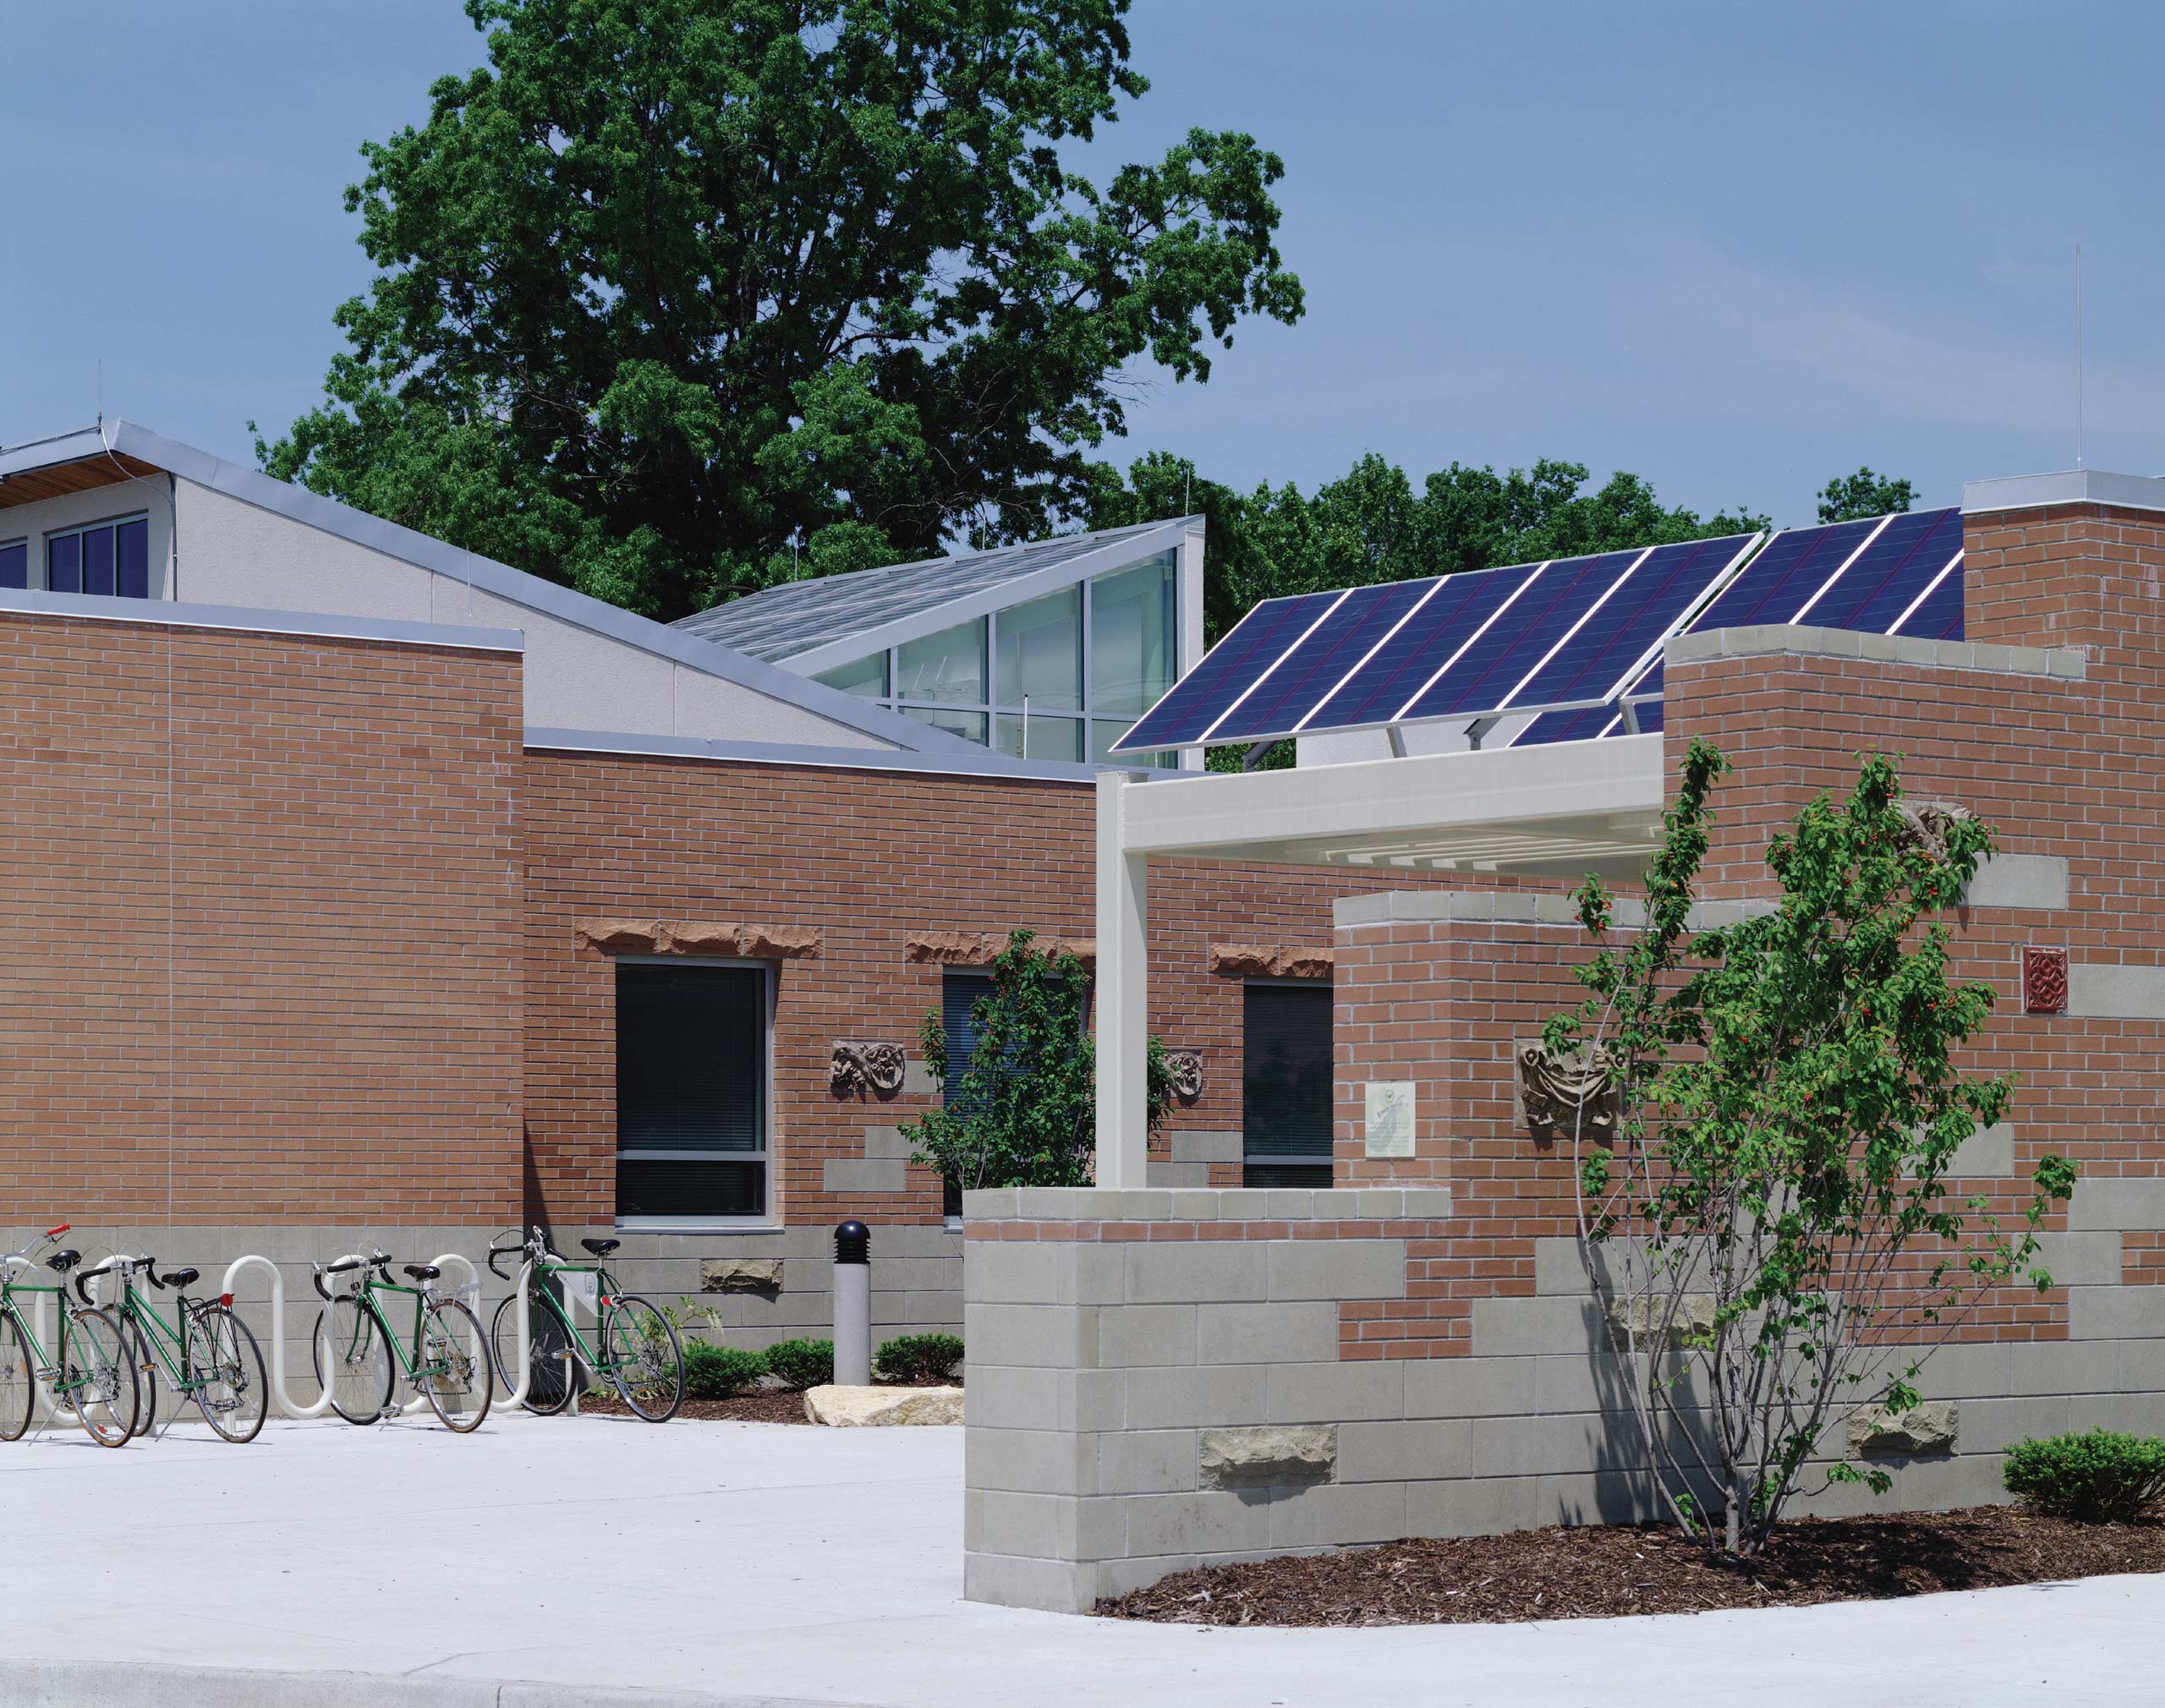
x,y
2066,560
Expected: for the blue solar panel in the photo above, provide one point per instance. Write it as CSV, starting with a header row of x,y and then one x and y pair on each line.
x,y
1776,584
1937,615
1338,642
1889,573
1204,695
1453,617
1494,664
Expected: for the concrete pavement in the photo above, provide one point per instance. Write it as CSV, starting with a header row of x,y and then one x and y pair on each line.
x,y
551,1563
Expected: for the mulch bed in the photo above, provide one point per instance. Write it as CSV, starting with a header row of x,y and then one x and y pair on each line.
x,y
767,1405
1596,1572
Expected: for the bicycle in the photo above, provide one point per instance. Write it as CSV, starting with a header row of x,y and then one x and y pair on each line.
x,y
209,1353
635,1349
89,1370
355,1345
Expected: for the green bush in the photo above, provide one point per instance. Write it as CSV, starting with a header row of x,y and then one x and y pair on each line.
x,y
919,1358
802,1364
2102,1477
718,1372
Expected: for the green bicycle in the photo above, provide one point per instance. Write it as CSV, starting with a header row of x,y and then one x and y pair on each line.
x,y
448,1361
90,1372
209,1353
635,1349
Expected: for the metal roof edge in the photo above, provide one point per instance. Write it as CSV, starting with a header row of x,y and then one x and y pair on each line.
x,y
2066,486
985,763
581,610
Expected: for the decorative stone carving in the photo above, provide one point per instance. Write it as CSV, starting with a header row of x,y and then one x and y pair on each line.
x,y
1636,1320
877,1408
740,1275
618,936
1931,1427
1925,825
1270,960
877,1067
698,937
2044,981
1551,1092
1268,1458
1186,1065
980,948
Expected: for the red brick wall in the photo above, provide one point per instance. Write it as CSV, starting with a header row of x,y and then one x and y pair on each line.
x,y
263,908
867,858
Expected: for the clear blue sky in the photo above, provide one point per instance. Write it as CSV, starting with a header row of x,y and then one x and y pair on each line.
x,y
1735,247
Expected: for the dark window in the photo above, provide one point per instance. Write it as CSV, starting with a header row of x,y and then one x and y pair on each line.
x,y
1286,1086
959,993
691,1091
15,564
113,557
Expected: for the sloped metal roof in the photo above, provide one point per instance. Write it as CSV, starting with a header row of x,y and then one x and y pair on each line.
x,y
781,623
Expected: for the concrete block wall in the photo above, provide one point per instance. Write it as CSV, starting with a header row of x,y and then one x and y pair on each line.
x,y
1122,1344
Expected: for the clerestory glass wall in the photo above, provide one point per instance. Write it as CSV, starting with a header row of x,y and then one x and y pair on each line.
x,y
1058,677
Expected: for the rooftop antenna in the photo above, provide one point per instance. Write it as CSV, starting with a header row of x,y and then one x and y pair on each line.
x,y
101,397
1187,490
2078,355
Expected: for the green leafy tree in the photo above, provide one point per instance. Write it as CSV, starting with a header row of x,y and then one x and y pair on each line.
x,y
1375,525
1848,496
1023,1110
671,287
1769,1230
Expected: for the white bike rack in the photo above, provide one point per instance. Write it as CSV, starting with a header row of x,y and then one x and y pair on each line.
x,y
469,1289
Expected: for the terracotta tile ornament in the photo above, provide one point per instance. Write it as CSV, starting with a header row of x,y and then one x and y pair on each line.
x,y
2044,981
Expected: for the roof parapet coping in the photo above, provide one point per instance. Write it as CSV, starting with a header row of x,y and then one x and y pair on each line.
x,y
1521,907
2068,486
316,625
1765,639
980,762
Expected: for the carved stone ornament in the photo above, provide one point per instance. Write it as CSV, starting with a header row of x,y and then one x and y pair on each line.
x,y
1926,824
876,1068
1186,1065
1552,1092
2044,981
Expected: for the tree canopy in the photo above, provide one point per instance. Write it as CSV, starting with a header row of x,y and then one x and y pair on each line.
x,y
1848,497
670,287
1372,525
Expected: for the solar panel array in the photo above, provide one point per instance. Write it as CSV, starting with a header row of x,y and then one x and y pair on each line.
x,y
1576,640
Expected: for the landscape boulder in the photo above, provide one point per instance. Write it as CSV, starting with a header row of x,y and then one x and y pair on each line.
x,y
881,1407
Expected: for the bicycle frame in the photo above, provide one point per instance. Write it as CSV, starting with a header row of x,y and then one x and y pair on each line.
x,y
46,1366
137,1308
366,1290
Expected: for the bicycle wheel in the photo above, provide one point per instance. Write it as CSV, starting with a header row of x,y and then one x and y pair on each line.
x,y
230,1389
352,1363
547,1391
97,1378
640,1353
146,1373
18,1379
454,1376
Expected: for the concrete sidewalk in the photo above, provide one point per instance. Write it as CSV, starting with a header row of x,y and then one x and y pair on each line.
x,y
547,1564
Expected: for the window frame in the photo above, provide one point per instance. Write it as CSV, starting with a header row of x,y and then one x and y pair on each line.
x,y
77,530
769,989
1326,1160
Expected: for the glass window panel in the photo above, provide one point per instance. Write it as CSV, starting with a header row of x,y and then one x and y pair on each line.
x,y
948,666
1132,651
15,564
665,1186
1048,738
132,566
1041,653
1285,1075
691,1053
969,725
64,563
97,561
867,676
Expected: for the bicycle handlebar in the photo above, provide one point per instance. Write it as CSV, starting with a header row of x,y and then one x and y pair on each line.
x,y
82,1289
55,1232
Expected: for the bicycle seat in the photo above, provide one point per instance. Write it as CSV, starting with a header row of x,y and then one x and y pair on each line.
x,y
178,1278
423,1272
601,1248
60,1262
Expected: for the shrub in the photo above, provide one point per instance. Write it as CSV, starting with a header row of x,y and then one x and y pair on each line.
x,y
718,1372
2102,1477
802,1364
919,1358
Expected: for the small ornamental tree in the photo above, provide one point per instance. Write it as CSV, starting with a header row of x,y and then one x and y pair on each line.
x,y
1768,1220
1023,1110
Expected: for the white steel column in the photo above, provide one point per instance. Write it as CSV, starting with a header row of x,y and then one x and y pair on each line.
x,y
1123,997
